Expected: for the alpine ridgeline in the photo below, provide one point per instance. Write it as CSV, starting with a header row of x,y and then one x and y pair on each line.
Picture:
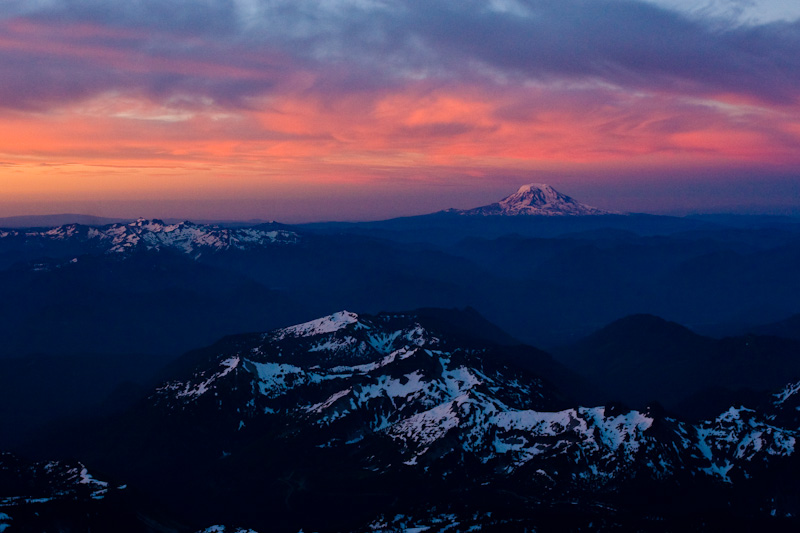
x,y
396,420
536,199
61,496
183,237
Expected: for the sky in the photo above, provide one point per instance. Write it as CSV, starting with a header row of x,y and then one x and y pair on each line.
x,y
366,109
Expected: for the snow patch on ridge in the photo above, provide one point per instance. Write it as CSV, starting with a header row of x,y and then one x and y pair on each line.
x,y
190,390
274,378
225,529
622,431
737,435
788,391
320,326
427,427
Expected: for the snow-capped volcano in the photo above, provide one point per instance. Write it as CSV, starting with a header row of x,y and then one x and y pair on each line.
x,y
536,199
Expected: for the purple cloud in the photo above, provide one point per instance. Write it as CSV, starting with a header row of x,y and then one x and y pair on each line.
x,y
231,51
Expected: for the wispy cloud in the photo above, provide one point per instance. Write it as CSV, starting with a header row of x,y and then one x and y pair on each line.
x,y
231,50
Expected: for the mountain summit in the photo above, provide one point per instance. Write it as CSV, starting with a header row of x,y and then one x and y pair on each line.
x,y
536,199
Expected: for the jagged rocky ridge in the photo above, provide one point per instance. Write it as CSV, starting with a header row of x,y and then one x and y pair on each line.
x,y
185,237
225,529
535,199
54,496
25,482
66,496
345,380
397,421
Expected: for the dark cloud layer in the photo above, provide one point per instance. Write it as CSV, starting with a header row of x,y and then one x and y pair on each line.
x,y
625,43
66,50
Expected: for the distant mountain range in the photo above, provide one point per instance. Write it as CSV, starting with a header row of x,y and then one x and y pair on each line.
x,y
535,199
141,234
50,221
547,280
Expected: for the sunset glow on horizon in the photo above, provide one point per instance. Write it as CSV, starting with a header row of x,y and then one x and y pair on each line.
x,y
356,109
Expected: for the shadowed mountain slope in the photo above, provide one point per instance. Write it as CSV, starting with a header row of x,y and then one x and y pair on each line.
x,y
643,358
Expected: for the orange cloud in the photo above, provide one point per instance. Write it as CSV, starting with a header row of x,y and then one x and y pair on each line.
x,y
121,145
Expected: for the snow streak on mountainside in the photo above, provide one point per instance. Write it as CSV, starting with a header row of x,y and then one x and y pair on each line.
x,y
142,234
740,435
535,199
61,496
348,379
25,483
224,529
788,395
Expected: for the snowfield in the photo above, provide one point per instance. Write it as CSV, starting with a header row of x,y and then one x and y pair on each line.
x,y
389,377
